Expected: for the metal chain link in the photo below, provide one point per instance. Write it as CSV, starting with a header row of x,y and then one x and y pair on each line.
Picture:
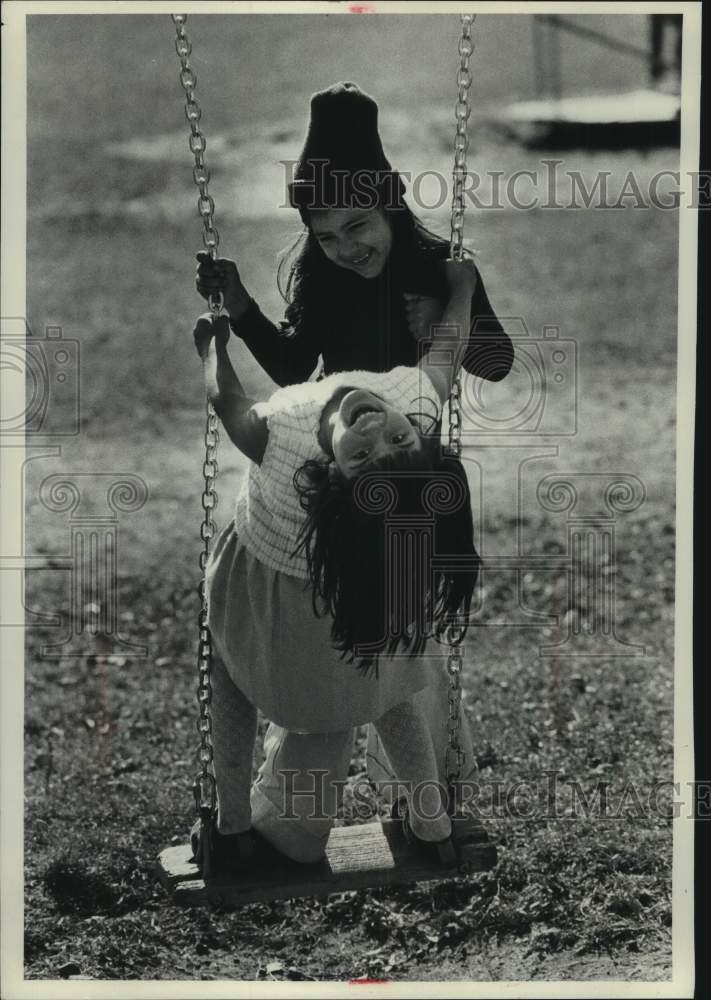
x,y
196,142
462,110
454,443
456,250
204,788
454,755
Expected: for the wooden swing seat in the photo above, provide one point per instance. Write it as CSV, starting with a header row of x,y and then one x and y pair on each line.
x,y
357,857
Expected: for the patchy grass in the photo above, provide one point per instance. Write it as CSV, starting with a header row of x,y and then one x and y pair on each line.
x,y
109,759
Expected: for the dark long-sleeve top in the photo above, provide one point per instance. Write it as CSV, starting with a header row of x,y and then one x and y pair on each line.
x,y
368,330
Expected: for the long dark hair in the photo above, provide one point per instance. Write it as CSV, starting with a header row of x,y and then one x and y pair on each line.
x,y
389,591
315,288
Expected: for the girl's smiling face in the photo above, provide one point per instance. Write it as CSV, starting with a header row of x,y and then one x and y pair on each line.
x,y
355,238
364,428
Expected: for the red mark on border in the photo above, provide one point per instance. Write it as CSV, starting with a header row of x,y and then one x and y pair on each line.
x,y
367,982
364,8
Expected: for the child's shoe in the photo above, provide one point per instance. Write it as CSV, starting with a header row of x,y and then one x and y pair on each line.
x,y
230,855
441,851
463,845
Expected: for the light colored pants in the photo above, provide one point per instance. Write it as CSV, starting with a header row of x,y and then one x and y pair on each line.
x,y
433,703
295,799
298,789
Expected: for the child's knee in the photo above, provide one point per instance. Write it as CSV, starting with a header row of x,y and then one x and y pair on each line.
x,y
300,838
296,796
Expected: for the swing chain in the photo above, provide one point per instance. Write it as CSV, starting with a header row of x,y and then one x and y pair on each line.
x,y
204,788
454,755
454,445
462,111
197,143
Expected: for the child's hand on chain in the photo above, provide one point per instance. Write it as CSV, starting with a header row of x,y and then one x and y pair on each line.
x,y
221,276
461,275
421,311
207,327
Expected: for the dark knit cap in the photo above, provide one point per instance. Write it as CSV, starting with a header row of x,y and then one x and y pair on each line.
x,y
342,164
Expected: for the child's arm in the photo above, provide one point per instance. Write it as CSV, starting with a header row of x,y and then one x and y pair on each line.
x,y
443,354
224,390
287,360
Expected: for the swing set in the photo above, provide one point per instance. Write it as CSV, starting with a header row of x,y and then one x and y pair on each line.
x,y
362,856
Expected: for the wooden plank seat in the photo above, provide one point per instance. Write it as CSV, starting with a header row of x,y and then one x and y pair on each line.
x,y
357,857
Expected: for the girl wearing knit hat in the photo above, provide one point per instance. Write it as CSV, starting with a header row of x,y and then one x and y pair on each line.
x,y
366,279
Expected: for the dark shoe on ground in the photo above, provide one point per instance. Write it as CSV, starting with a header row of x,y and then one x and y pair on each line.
x,y
468,836
231,855
442,852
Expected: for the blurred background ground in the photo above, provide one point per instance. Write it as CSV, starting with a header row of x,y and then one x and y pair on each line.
x,y
112,233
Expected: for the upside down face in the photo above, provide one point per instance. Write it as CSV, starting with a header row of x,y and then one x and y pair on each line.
x,y
364,428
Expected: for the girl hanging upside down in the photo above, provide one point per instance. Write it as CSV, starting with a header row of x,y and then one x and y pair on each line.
x,y
311,620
